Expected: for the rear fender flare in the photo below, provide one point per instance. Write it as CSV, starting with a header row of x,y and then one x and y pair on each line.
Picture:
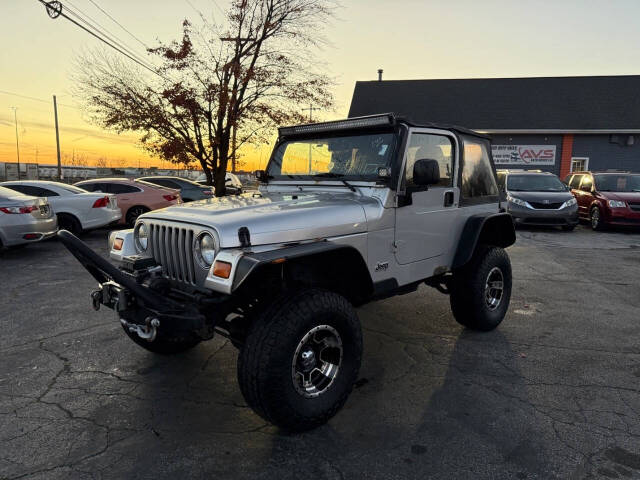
x,y
493,229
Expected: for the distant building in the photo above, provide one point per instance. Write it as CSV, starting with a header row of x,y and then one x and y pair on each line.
x,y
557,124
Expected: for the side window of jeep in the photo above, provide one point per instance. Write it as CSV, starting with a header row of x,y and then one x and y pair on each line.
x,y
427,146
478,181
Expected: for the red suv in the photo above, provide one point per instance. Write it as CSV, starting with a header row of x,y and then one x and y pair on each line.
x,y
607,198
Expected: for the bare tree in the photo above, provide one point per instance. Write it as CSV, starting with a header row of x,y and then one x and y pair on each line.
x,y
101,162
245,78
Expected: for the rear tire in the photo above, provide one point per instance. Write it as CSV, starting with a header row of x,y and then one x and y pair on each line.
x,y
70,223
164,346
134,212
568,228
300,359
481,290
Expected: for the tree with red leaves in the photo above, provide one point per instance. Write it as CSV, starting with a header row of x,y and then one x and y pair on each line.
x,y
252,75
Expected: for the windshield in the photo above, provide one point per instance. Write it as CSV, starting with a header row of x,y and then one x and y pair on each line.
x,y
355,156
617,183
535,183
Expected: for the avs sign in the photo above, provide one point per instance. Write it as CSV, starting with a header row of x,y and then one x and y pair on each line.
x,y
524,154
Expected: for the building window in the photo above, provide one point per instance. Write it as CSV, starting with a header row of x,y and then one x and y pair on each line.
x,y
579,164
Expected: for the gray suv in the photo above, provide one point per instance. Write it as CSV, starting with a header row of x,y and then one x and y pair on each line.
x,y
538,198
347,212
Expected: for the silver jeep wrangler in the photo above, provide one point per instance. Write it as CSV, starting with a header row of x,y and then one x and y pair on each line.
x,y
347,212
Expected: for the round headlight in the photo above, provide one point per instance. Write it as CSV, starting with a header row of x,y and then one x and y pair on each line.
x,y
141,236
205,249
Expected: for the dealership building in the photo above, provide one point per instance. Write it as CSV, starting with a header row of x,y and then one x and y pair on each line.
x,y
556,124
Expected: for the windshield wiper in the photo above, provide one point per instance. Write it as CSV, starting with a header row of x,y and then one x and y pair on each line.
x,y
336,176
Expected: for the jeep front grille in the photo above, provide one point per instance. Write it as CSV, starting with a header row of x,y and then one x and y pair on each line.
x,y
172,248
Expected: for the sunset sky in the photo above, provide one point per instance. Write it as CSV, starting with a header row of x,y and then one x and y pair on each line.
x,y
408,39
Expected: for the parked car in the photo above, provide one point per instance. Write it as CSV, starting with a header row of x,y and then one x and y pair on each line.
x,y
607,198
24,219
77,210
538,198
134,197
189,190
232,183
278,272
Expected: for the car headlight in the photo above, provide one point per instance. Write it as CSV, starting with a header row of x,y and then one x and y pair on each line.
x,y
570,202
517,201
616,204
205,249
141,237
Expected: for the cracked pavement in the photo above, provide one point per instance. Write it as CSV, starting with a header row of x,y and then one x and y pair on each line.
x,y
554,392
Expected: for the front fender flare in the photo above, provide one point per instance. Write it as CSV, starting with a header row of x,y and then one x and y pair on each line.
x,y
250,262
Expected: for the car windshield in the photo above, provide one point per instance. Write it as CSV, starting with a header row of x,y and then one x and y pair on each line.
x,y
353,156
535,183
617,183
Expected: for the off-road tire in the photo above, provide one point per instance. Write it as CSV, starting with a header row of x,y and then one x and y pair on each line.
x,y
164,346
595,219
265,360
70,223
468,289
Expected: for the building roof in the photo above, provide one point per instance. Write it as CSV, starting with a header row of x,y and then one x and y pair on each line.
x,y
509,105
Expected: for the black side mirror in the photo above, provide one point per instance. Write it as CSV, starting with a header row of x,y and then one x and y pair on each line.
x,y
260,175
426,172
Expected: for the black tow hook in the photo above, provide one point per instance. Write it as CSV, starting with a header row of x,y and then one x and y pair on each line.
x,y
96,299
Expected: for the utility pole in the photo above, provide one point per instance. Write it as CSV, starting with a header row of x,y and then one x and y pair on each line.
x,y
15,118
55,114
311,109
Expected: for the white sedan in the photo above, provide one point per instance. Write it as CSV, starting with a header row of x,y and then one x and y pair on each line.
x,y
77,210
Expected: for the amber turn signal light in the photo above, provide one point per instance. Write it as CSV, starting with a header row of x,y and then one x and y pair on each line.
x,y
117,244
221,269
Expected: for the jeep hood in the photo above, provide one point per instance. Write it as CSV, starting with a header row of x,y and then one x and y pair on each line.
x,y
273,217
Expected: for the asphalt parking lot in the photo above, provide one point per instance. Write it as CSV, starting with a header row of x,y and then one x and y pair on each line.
x,y
554,392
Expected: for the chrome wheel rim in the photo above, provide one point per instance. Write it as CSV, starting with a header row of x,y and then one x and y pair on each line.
x,y
595,218
494,288
316,361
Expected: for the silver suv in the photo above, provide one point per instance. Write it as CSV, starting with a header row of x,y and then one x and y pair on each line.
x,y
347,212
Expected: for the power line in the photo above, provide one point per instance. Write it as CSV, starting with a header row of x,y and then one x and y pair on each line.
x,y
62,14
92,23
34,99
119,24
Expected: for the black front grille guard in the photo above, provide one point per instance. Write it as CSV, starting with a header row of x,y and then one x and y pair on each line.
x,y
103,271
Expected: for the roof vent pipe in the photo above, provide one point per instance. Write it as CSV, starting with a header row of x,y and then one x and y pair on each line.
x,y
380,74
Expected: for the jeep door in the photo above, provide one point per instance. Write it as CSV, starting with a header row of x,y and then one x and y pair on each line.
x,y
426,213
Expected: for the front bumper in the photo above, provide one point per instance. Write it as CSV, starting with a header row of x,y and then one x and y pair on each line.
x,y
141,300
622,217
527,216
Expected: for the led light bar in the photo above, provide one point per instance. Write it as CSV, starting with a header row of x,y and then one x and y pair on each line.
x,y
349,124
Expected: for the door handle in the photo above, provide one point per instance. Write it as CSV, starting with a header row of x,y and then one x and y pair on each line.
x,y
448,198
